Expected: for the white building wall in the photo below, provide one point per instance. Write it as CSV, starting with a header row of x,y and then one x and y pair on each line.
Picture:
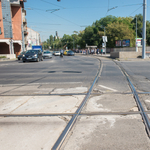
x,y
33,38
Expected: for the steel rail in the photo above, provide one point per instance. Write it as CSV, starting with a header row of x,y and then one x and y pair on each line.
x,y
72,121
139,104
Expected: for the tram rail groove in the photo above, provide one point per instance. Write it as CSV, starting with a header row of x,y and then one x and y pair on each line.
x,y
68,94
70,114
72,121
139,104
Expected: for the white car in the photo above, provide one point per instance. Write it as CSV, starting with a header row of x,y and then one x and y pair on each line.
x,y
57,53
47,54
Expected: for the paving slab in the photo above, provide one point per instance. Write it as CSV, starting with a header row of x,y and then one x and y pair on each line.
x,y
40,104
108,133
27,90
145,100
4,89
111,103
70,90
30,133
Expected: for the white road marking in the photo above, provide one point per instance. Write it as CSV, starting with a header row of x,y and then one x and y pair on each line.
x,y
108,88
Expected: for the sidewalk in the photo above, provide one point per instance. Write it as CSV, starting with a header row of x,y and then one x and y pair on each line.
x,y
7,59
122,59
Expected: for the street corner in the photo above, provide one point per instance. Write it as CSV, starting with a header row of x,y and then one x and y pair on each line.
x,y
111,103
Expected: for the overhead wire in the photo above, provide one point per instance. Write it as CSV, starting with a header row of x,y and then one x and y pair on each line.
x,y
32,8
65,19
52,4
52,12
136,10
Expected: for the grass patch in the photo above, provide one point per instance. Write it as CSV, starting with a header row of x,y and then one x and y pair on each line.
x,y
117,59
2,56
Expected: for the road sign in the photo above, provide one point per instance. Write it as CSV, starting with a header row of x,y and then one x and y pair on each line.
x,y
103,44
138,42
104,38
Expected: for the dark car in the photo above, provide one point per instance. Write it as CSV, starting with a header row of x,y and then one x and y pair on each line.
x,y
70,53
32,55
21,55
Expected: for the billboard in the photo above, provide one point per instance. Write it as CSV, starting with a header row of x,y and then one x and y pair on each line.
x,y
118,43
126,43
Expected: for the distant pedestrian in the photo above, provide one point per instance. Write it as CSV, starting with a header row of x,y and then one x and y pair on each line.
x,y
92,51
101,51
97,51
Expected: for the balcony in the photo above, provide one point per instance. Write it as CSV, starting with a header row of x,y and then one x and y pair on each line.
x,y
15,2
25,30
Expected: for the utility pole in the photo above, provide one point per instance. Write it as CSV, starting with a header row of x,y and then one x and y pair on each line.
x,y
144,30
136,36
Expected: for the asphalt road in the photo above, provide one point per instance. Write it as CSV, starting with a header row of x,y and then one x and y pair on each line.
x,y
56,72
59,85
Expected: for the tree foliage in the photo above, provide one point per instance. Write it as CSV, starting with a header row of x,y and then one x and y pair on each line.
x,y
116,28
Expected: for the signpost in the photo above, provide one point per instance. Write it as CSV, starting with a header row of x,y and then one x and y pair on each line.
x,y
104,44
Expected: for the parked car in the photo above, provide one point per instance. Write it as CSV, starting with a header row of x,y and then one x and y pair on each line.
x,y
47,54
70,53
65,52
32,55
57,53
21,55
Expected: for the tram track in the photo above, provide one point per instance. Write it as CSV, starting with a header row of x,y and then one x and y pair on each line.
x,y
72,121
139,104
74,116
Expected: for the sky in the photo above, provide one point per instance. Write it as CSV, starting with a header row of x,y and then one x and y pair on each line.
x,y
67,16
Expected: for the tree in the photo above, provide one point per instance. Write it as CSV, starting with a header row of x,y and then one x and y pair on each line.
x,y
67,41
51,40
139,25
119,31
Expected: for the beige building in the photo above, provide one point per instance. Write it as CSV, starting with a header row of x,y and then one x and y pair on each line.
x,y
33,38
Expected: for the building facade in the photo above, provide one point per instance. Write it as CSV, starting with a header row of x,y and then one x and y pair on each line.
x,y
33,38
13,27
